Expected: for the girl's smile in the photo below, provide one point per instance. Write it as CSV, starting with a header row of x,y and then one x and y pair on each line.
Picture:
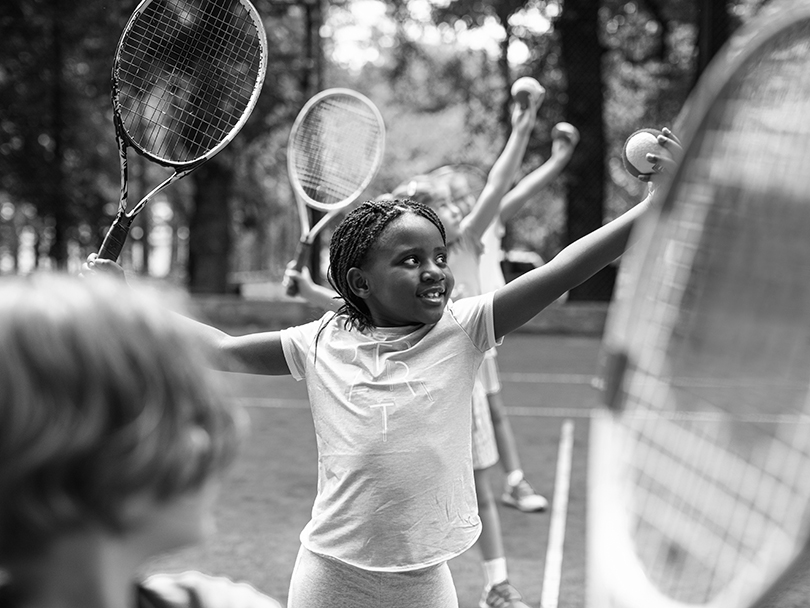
x,y
405,279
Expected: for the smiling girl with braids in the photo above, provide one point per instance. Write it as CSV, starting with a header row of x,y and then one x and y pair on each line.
x,y
389,378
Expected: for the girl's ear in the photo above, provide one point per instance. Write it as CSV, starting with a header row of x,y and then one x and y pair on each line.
x,y
357,282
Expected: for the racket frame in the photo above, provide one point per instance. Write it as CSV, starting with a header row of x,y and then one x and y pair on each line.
x,y
117,234
303,201
611,556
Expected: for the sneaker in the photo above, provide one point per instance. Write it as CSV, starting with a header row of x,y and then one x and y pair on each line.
x,y
502,595
523,497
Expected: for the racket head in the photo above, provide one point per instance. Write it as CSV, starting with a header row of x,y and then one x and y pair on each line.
x,y
186,76
699,469
335,148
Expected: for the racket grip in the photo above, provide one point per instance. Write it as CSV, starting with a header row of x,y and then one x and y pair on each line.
x,y
301,253
116,236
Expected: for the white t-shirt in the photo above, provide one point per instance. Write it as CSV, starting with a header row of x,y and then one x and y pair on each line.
x,y
391,408
465,261
491,273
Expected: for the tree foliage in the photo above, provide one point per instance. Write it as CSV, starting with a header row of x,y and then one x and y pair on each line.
x,y
442,104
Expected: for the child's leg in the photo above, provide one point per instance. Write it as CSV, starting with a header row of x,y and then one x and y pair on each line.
x,y
321,582
518,492
491,540
498,593
504,437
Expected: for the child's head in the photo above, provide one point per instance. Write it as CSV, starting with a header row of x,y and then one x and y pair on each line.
x,y
377,233
106,404
459,179
435,193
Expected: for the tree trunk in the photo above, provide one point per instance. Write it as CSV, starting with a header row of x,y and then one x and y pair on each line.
x,y
714,29
210,231
582,61
58,198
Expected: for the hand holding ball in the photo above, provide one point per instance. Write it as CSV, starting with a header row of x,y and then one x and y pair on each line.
x,y
525,88
636,148
567,131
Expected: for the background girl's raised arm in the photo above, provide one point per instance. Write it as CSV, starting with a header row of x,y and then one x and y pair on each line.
x,y
562,148
502,173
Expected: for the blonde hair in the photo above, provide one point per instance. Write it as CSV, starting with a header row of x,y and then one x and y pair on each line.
x,y
104,396
426,190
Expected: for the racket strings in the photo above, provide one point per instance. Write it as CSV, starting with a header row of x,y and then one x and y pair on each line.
x,y
186,73
336,149
716,421
702,513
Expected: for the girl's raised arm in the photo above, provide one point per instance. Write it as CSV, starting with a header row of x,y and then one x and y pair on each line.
x,y
521,299
259,353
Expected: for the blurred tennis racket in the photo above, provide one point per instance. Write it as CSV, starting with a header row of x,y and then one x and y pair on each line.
x,y
335,149
700,468
186,76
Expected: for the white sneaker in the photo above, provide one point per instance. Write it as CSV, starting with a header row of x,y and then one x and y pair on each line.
x,y
502,595
524,498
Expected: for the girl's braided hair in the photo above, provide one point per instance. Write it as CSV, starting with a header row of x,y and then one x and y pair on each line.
x,y
354,238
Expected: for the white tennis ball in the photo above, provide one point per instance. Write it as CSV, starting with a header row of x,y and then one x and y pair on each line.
x,y
526,87
636,148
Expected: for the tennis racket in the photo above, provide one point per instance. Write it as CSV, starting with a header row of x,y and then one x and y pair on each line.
x,y
335,149
700,466
186,76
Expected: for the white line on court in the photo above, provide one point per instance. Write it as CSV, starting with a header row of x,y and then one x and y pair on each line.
x,y
571,412
559,512
536,412
541,378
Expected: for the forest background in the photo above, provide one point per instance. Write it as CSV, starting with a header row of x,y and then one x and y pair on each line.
x,y
440,72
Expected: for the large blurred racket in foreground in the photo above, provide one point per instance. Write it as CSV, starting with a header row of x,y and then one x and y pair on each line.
x,y
700,466
335,149
186,76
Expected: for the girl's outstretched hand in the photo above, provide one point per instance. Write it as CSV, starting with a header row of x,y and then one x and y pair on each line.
x,y
664,165
97,266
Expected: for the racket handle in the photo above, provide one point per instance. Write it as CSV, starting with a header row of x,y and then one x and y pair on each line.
x,y
116,236
301,253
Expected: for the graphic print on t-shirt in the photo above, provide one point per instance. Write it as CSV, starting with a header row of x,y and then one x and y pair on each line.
x,y
386,373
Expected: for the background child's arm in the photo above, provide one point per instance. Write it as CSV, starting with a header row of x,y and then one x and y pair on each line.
x,y
502,174
562,149
321,296
520,300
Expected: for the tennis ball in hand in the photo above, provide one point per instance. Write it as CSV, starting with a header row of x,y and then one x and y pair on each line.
x,y
566,130
636,148
526,87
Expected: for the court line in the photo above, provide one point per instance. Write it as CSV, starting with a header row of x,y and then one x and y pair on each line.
x,y
546,378
568,412
559,512
537,412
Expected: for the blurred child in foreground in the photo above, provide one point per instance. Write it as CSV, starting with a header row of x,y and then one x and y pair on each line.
x,y
113,440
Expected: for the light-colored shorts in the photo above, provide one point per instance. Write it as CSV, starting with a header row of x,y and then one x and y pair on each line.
x,y
484,447
323,582
488,372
